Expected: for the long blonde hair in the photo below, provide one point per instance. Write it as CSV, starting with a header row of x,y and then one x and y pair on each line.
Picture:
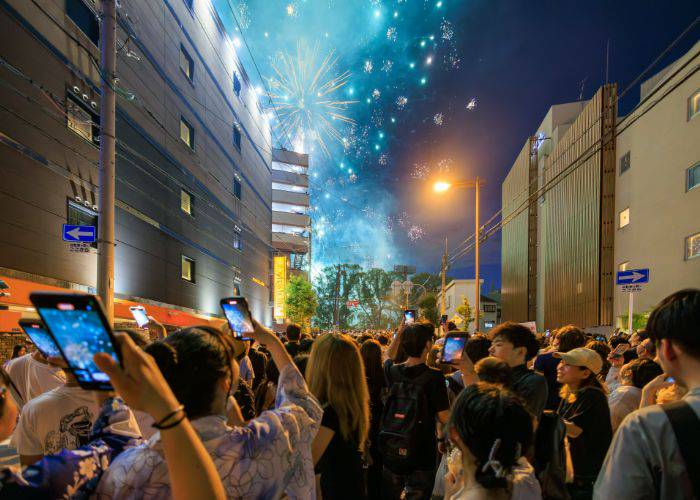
x,y
335,373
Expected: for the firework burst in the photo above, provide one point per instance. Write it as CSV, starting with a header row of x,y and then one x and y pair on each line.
x,y
439,119
471,104
305,93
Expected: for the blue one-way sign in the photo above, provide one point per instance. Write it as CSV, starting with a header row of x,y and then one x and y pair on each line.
x,y
86,234
633,276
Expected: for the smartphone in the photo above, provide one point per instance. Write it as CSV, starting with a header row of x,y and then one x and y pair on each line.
x,y
619,350
139,314
80,329
36,331
547,333
409,316
671,380
238,315
600,338
443,319
453,348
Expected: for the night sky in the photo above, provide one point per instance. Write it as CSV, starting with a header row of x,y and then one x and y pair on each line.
x,y
431,89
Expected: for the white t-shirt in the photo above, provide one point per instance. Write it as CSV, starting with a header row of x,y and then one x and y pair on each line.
x,y
623,401
60,418
33,378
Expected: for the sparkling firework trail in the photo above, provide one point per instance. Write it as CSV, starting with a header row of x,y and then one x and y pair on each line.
x,y
387,65
368,66
420,171
391,34
383,159
242,14
376,94
415,232
401,101
438,119
304,92
446,30
471,104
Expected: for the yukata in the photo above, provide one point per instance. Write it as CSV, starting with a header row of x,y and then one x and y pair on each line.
x,y
268,457
75,473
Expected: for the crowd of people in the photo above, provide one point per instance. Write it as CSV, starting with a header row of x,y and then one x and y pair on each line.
x,y
371,414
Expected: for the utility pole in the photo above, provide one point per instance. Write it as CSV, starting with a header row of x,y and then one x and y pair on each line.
x,y
105,245
476,259
442,285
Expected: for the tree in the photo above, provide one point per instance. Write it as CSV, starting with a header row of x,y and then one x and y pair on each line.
x,y
327,294
464,311
301,301
375,309
428,308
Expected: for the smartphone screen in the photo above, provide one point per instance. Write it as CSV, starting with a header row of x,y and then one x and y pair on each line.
x,y
80,330
409,316
443,319
453,348
238,316
40,338
139,314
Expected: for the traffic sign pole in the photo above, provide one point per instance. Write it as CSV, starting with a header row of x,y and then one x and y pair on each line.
x,y
631,313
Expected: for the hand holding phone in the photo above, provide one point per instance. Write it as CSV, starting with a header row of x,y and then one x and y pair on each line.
x,y
40,337
80,329
239,318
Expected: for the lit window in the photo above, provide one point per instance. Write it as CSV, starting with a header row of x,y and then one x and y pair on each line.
x,y
624,266
694,104
236,188
624,217
279,186
187,269
186,133
186,63
81,120
236,84
692,178
692,246
625,163
237,137
84,18
237,240
186,202
288,167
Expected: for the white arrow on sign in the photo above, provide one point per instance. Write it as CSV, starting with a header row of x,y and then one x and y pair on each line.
x,y
76,233
636,276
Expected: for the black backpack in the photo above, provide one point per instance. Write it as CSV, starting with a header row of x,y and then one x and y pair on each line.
x,y
406,418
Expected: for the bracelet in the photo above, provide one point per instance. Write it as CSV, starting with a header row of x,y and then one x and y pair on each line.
x,y
159,424
162,427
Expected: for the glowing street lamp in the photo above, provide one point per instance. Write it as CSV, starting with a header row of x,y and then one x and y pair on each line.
x,y
441,186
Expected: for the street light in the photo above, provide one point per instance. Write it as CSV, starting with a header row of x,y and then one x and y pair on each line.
x,y
441,187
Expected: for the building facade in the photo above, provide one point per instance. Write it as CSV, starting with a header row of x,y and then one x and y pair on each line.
x,y
558,213
193,164
458,290
291,223
657,192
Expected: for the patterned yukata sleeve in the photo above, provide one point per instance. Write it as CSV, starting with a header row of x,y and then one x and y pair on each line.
x,y
75,473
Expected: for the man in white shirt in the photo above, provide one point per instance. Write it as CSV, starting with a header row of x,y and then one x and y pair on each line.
x,y
647,458
60,418
32,376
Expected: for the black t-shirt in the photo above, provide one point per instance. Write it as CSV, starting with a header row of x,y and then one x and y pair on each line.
x,y
292,348
590,412
340,465
531,387
436,396
547,364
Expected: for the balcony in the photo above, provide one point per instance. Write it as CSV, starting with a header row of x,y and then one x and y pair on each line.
x,y
291,198
290,178
290,242
290,219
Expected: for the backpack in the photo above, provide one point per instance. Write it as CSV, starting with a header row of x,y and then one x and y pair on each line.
x,y
406,418
550,456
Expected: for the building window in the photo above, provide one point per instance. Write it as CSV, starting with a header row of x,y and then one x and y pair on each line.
x,y
237,137
287,229
187,202
186,133
81,120
625,163
236,188
694,104
186,63
84,18
288,208
623,266
624,217
80,215
187,269
237,240
692,178
489,308
692,246
236,84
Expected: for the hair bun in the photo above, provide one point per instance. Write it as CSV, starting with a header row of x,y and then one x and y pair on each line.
x,y
165,356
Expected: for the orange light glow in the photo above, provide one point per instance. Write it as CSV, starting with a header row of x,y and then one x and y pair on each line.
x,y
441,186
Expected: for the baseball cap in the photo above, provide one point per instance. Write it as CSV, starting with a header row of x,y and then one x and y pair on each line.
x,y
583,357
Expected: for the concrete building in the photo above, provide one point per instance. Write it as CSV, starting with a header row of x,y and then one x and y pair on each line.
x,y
657,191
193,189
291,223
457,290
